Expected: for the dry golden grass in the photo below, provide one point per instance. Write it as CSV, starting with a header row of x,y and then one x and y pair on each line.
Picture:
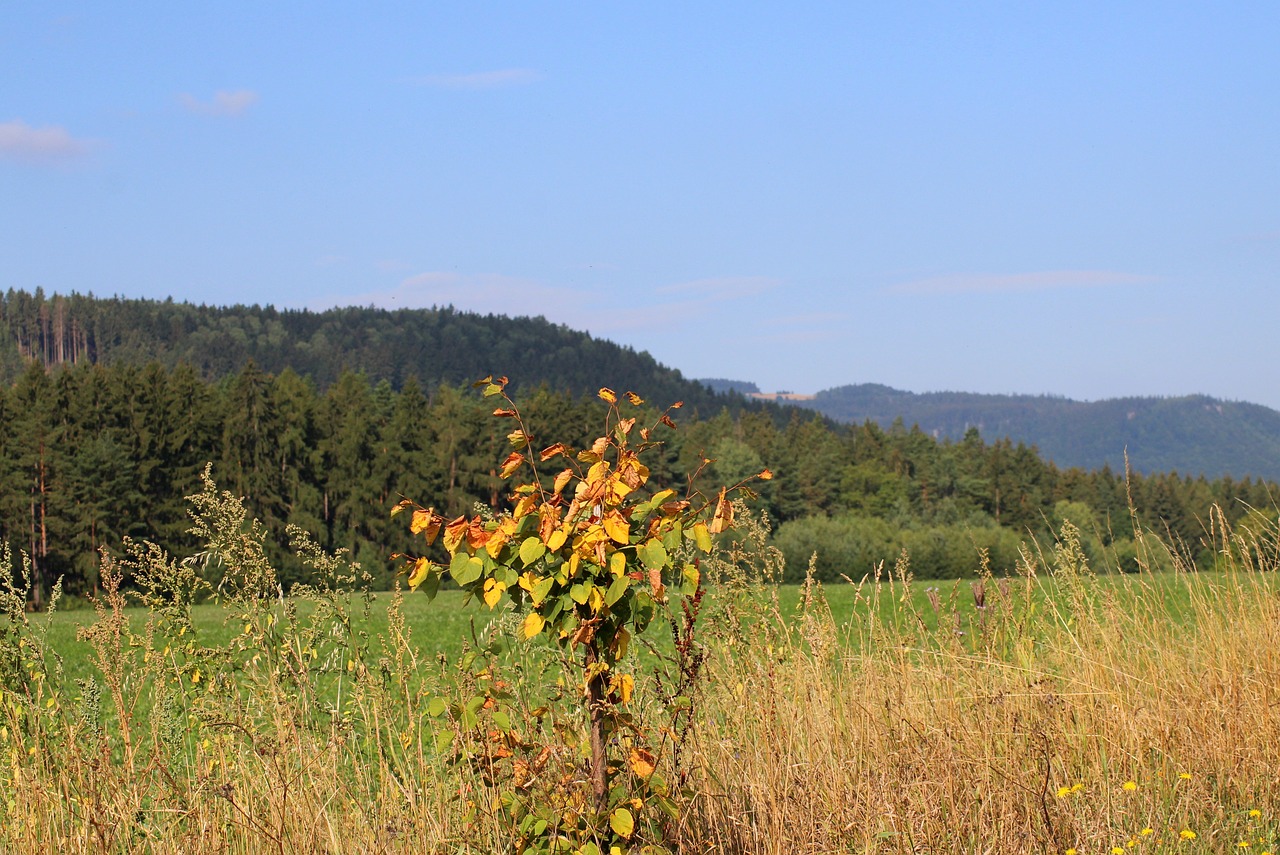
x,y
1065,714
1080,725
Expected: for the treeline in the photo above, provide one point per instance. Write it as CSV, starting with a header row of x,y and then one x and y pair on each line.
x,y
436,346
90,454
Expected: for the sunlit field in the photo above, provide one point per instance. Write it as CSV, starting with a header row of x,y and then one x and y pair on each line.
x,y
1046,710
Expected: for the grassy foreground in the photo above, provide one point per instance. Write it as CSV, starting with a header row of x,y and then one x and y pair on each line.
x,y
1049,711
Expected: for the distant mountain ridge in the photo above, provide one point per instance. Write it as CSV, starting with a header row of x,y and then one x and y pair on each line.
x,y
1192,435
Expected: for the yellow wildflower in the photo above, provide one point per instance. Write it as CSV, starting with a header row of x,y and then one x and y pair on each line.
x,y
1186,776
1117,850
1063,792
1147,832
1243,844
1255,813
1077,787
1187,834
1070,852
1130,786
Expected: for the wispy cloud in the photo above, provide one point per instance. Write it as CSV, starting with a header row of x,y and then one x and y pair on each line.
x,y
1044,280
480,79
483,292
223,103
50,145
722,287
601,311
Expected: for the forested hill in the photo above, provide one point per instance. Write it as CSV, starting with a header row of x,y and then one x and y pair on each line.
x,y
1193,435
437,346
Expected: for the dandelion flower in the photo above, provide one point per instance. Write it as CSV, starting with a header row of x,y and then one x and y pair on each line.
x,y
1255,813
1130,786
1077,787
1243,844
1187,834
1147,832
1070,852
1185,776
1063,792
1117,850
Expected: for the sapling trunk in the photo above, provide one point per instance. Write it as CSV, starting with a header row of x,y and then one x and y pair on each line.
x,y
596,709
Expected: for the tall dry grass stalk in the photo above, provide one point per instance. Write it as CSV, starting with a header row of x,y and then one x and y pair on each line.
x,y
1038,713
1060,714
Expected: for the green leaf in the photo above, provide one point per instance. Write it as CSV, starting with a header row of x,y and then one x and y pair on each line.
x,y
431,585
690,585
654,555
444,739
616,590
501,721
580,592
532,549
540,590
622,823
465,568
436,707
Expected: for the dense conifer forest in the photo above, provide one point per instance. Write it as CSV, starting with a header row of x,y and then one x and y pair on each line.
x,y
113,408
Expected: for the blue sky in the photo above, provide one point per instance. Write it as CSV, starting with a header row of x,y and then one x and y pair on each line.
x,y
1078,199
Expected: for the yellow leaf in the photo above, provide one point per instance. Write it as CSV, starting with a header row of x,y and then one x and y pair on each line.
x,y
556,540
419,572
552,450
624,686
607,395
635,399
723,517
616,527
524,507
617,563
621,641
622,823
454,532
765,475
497,539
702,537
618,491
642,763
562,480
512,463
597,472
493,592
595,599
420,520
533,624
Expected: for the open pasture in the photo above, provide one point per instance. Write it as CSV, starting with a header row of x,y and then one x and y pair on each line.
x,y
1050,711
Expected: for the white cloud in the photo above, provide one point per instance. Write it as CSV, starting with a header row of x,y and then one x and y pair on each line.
x,y
480,79
1020,282
48,145
223,103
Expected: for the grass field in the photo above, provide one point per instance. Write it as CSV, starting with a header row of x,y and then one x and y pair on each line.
x,y
1051,711
445,626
